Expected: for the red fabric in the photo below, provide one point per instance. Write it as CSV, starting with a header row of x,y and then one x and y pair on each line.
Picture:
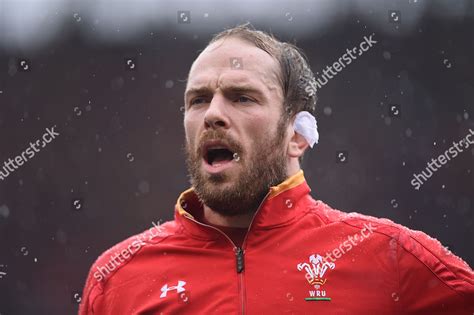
x,y
393,270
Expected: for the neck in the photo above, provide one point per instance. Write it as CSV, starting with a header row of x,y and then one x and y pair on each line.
x,y
240,221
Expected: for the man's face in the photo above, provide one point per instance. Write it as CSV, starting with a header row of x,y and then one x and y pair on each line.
x,y
236,139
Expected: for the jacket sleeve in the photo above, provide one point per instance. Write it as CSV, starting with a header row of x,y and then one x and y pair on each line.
x,y
432,280
97,298
92,293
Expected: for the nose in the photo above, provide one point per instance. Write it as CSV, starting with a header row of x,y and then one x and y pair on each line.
x,y
215,116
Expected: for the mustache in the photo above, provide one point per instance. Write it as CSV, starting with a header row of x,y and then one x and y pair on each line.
x,y
222,136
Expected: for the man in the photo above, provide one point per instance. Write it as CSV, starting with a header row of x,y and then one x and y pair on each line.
x,y
247,237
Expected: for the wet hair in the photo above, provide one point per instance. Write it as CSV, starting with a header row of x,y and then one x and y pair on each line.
x,y
295,75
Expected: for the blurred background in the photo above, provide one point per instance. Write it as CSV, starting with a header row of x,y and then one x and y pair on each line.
x,y
110,75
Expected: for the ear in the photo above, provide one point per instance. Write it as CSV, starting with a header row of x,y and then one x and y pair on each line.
x,y
297,144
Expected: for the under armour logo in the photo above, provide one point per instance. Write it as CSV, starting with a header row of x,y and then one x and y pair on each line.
x,y
179,288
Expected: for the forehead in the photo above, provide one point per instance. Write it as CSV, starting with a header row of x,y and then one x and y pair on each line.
x,y
234,60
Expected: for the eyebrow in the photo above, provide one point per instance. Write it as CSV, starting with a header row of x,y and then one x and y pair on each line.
x,y
239,88
198,90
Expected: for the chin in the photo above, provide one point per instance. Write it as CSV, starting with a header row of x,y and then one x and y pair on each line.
x,y
222,177
218,180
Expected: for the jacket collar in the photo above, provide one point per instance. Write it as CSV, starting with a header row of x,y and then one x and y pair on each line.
x,y
281,205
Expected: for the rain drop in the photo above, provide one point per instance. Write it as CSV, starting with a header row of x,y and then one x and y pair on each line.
x,y
184,297
4,211
289,296
77,204
393,243
327,111
77,297
144,187
395,296
2,272
78,111
24,251
77,17
447,63
236,157
169,84
288,203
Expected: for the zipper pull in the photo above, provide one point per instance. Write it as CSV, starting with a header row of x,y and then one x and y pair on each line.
x,y
239,253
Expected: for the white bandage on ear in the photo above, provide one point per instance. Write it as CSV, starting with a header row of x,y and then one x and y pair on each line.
x,y
305,124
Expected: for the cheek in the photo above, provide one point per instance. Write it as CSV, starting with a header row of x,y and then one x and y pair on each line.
x,y
262,127
190,128
259,130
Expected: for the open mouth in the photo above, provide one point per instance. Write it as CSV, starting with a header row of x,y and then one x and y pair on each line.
x,y
218,155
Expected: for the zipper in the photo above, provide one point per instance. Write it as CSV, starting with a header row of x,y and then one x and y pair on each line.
x,y
239,251
254,215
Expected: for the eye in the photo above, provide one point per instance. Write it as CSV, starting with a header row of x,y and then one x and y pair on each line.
x,y
197,100
244,99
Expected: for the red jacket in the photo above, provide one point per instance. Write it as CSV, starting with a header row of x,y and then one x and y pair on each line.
x,y
299,257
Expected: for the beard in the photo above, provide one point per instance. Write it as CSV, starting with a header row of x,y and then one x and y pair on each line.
x,y
262,166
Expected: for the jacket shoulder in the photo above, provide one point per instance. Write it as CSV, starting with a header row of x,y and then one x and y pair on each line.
x,y
134,244
426,250
99,274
